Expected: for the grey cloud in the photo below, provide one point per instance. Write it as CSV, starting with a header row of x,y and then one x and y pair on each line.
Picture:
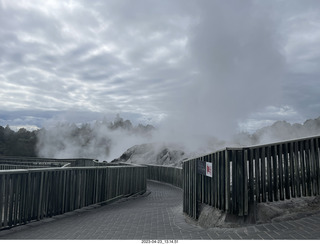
x,y
69,64
230,62
303,93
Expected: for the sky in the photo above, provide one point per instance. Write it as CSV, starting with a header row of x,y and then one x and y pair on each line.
x,y
202,67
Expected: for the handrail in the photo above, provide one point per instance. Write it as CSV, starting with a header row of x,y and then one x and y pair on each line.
x,y
33,194
254,146
246,175
166,174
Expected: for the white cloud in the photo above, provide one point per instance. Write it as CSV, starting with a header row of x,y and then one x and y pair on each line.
x,y
183,61
303,42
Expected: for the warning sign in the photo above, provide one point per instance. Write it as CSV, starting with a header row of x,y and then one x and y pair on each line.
x,y
208,169
205,168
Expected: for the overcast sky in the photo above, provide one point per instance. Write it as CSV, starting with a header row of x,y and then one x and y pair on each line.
x,y
223,65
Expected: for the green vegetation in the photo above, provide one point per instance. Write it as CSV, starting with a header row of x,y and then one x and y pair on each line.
x,y
20,143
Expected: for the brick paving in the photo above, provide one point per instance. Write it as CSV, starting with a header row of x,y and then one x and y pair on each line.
x,y
155,215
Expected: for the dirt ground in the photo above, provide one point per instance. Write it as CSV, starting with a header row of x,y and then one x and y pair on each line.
x,y
266,212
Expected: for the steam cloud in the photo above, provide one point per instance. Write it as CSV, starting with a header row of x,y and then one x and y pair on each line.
x,y
106,140
235,56
279,131
103,140
109,140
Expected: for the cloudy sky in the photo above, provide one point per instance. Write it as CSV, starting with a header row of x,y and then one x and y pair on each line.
x,y
217,66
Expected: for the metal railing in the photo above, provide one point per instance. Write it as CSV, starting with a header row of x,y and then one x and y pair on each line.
x,y
244,176
166,174
241,177
33,194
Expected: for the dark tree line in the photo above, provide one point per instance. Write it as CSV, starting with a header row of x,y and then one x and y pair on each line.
x,y
17,143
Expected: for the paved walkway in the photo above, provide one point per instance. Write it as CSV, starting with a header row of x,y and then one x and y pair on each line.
x,y
154,216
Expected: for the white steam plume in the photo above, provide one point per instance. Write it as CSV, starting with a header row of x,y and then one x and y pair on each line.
x,y
234,54
102,141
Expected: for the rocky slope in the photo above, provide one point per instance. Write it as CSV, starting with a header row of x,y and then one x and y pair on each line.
x,y
268,212
153,153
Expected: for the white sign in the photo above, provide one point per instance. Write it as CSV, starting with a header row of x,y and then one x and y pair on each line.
x,y
208,169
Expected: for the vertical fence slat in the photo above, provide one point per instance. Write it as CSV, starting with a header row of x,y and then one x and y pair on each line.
x,y
280,165
240,189
263,174
245,182
275,173
234,183
292,170
286,170
212,160
2,198
308,168
216,179
313,167
16,199
41,203
251,178
223,180
257,174
28,199
269,174
22,202
6,201
297,169
185,197
10,205
227,178
193,187
317,162
302,167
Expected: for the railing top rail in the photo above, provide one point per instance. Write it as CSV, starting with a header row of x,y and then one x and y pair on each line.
x,y
21,171
165,166
282,142
257,146
207,154
45,159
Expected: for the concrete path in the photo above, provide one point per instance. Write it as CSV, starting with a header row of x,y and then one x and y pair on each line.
x,y
149,217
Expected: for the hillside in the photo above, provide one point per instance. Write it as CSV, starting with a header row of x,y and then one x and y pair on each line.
x,y
153,153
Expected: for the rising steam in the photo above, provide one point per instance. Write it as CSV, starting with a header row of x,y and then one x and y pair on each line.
x,y
102,140
109,140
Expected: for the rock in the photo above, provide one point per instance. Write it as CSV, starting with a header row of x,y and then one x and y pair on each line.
x,y
153,153
267,212
211,217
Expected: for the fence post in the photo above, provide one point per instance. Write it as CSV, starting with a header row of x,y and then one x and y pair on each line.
x,y
245,181
227,180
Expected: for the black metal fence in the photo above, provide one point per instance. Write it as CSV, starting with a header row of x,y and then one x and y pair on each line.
x,y
19,166
240,177
33,194
24,162
243,176
167,174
